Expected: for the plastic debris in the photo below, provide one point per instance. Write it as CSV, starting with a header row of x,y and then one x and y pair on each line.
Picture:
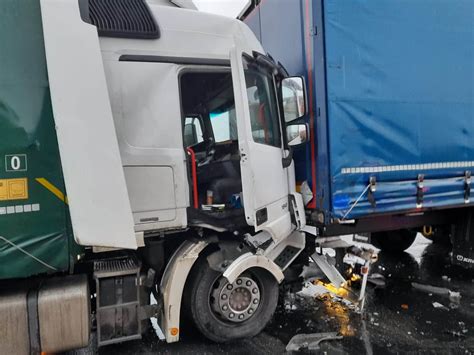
x,y
310,341
454,296
431,289
376,279
439,305
312,290
442,291
306,192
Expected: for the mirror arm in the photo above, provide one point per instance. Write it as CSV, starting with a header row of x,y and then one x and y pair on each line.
x,y
265,61
282,71
286,162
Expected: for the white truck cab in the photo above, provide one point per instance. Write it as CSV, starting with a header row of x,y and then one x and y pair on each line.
x,y
178,136
197,98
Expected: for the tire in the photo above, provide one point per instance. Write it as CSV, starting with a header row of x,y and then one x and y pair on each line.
x,y
393,241
203,302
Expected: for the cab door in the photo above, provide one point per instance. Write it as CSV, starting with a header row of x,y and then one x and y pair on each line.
x,y
264,179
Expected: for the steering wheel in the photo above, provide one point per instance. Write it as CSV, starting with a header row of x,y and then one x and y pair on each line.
x,y
210,151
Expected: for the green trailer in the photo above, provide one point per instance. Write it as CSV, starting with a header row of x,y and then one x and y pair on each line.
x,y
32,191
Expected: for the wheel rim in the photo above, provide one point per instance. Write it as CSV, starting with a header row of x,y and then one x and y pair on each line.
x,y
238,301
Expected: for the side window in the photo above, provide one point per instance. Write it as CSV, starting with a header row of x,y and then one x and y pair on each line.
x,y
192,131
263,105
224,125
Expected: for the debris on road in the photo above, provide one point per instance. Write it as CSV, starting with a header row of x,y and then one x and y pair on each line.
x,y
311,289
310,342
323,291
439,305
431,289
454,296
376,279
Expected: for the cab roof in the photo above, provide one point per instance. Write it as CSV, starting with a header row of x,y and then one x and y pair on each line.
x,y
186,34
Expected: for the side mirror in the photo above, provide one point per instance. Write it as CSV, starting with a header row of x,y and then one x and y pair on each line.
x,y
297,134
190,134
293,93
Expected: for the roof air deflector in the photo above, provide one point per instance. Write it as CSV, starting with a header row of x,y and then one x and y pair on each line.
x,y
120,18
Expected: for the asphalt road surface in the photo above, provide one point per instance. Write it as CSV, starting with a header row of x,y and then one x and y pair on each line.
x,y
398,318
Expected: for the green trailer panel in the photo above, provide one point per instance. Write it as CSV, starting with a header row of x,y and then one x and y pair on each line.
x,y
34,217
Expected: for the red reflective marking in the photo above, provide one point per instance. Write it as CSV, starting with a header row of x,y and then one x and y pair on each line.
x,y
309,61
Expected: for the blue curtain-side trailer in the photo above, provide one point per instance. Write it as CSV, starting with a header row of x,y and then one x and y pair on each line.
x,y
391,123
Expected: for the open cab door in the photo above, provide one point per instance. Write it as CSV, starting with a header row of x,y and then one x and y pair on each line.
x,y
264,177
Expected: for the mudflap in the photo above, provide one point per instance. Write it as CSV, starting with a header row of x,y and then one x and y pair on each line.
x,y
463,240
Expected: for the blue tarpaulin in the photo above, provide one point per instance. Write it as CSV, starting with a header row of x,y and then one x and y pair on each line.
x,y
399,98
400,85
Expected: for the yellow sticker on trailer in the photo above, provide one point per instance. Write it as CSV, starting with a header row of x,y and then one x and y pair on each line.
x,y
13,189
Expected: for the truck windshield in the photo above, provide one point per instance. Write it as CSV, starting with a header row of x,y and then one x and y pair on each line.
x,y
262,104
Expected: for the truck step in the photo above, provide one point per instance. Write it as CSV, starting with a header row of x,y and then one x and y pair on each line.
x,y
118,300
115,267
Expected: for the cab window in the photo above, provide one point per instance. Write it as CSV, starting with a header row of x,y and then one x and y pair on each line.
x,y
262,104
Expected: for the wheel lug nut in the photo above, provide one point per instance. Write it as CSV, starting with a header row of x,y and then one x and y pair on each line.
x,y
225,308
254,291
250,311
249,283
224,296
239,281
229,287
232,315
241,316
255,301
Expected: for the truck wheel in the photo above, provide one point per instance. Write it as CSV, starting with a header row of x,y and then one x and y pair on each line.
x,y
393,241
222,311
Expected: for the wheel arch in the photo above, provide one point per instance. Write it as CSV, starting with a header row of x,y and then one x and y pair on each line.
x,y
250,260
173,282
